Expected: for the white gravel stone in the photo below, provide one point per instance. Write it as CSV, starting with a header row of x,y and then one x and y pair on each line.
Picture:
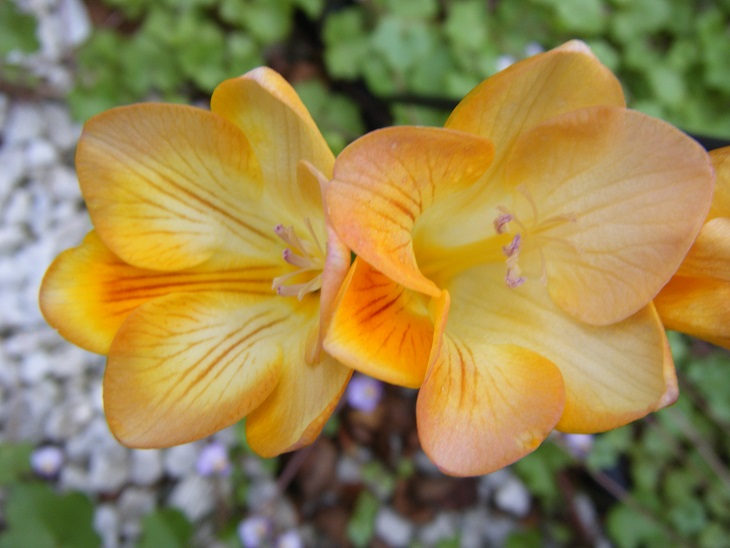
x,y
194,496
43,397
180,460
18,207
24,123
12,160
4,102
68,420
36,365
513,497
40,153
74,477
109,470
96,437
146,467
442,528
63,132
106,523
392,528
349,470
75,21
261,494
11,238
62,182
136,502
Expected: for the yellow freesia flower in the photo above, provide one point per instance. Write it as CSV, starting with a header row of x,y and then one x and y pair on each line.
x,y
208,270
507,263
697,299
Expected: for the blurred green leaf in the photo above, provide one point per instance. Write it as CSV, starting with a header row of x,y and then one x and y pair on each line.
x,y
410,9
539,470
688,517
36,516
631,529
466,25
166,527
361,527
17,30
14,461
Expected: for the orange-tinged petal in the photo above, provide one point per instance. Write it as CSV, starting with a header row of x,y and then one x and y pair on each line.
x,y
169,185
381,328
671,391
184,366
612,374
281,132
385,180
709,256
88,291
721,198
620,195
297,410
484,406
698,307
337,263
534,90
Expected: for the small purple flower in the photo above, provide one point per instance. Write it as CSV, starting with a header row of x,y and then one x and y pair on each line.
x,y
254,531
364,393
213,460
46,461
290,539
579,445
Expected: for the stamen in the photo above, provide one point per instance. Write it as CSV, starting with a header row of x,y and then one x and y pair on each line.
x,y
306,256
500,223
513,278
514,247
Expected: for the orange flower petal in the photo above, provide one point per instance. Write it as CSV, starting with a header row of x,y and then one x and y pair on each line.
x,y
184,366
381,328
88,291
620,195
168,185
532,91
281,132
721,198
484,406
336,267
297,410
698,307
385,180
612,374
709,256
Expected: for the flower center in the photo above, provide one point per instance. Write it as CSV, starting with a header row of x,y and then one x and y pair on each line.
x,y
536,229
307,255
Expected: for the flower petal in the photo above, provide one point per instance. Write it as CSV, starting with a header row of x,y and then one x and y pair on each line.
x,y
709,256
184,366
484,406
534,90
381,328
297,410
629,193
698,307
168,185
721,197
88,291
337,263
281,132
612,374
386,179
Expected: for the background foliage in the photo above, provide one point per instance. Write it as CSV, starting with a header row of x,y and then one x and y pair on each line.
x,y
393,61
361,65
